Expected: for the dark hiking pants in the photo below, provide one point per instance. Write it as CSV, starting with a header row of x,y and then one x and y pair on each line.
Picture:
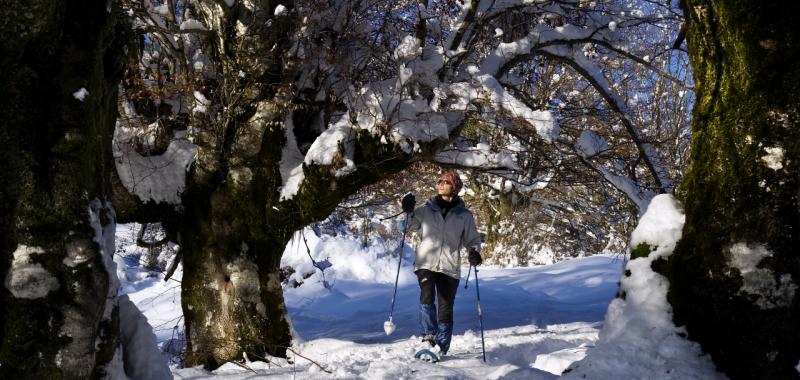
x,y
435,285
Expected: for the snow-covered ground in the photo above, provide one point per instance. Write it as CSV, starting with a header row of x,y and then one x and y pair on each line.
x,y
538,321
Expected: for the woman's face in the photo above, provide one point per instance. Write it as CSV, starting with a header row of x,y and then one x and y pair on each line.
x,y
445,187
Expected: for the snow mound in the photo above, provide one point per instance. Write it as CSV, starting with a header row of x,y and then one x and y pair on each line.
x,y
639,338
375,263
142,358
556,362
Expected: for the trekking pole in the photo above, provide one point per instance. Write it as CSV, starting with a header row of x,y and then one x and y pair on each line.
x,y
466,283
480,314
388,326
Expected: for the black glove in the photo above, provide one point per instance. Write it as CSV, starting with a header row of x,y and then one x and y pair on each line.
x,y
474,257
409,201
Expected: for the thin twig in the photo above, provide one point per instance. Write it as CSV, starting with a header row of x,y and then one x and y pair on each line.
x,y
312,362
313,262
244,366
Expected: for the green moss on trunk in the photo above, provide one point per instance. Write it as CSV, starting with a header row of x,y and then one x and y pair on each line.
x,y
642,250
744,56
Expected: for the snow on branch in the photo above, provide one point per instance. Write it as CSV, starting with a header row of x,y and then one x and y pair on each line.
x,y
541,36
500,99
409,75
590,144
291,164
395,109
629,187
566,43
478,157
335,143
158,178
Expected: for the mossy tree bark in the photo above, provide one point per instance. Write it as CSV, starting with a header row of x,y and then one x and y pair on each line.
x,y
235,225
734,275
56,319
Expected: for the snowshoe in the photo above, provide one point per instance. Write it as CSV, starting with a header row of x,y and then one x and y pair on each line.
x,y
426,355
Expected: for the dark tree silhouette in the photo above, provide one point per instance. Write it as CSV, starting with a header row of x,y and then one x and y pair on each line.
x,y
60,63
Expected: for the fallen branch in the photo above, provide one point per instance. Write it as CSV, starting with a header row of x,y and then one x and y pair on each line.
x,y
173,266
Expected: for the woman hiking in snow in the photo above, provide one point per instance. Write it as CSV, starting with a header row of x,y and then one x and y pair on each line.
x,y
445,226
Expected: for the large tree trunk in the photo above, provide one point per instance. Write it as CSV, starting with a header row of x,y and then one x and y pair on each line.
x,y
58,316
232,295
735,274
235,224
232,243
232,298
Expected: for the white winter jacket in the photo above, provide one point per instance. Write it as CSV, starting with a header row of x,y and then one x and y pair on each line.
x,y
442,238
